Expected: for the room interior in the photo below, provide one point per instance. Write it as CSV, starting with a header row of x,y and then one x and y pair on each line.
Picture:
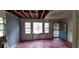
x,y
38,28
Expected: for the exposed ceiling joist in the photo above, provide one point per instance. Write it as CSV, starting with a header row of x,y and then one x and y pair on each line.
x,y
42,14
19,13
25,14
37,14
31,13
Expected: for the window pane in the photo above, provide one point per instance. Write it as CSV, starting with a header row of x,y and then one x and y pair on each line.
x,y
56,26
27,27
37,27
1,26
1,20
1,33
27,31
47,31
46,27
46,24
27,23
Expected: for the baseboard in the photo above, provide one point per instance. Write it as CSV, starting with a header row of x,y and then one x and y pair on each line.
x,y
65,40
35,39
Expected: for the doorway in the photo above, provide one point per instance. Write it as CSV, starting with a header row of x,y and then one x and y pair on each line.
x,y
56,28
60,30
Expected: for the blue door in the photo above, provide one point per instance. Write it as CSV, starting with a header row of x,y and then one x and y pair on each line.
x,y
63,31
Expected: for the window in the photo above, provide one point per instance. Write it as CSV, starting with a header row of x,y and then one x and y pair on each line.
x,y
37,27
46,27
1,27
27,27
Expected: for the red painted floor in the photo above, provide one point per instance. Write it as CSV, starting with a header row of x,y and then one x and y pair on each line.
x,y
53,43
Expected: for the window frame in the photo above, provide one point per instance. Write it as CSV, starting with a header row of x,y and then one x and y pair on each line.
x,y
45,27
41,32
3,30
28,28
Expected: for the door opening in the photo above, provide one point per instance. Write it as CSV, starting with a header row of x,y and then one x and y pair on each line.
x,y
56,30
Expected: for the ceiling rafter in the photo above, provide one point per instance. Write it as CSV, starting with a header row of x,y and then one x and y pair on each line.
x,y
45,14
37,14
19,13
25,14
31,13
42,14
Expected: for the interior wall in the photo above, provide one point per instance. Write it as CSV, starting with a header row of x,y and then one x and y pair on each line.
x,y
75,29
70,30
35,36
12,29
77,23
69,34
2,13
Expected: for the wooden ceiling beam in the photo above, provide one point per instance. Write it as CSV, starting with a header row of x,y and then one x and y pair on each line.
x,y
37,14
19,13
25,14
31,13
45,14
42,14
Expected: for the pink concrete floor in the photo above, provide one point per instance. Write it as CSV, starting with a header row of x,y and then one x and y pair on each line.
x,y
53,43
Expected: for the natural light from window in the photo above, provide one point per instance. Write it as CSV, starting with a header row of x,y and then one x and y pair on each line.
x,y
27,27
46,27
37,27
1,27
